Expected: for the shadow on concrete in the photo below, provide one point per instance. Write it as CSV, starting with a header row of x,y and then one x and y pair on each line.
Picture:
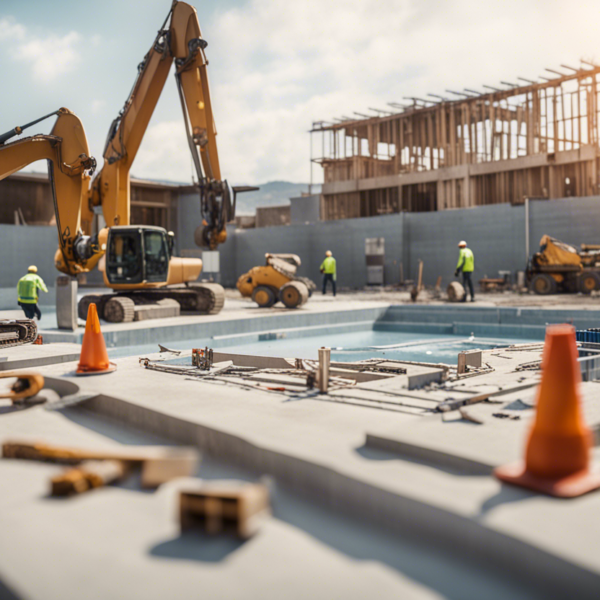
x,y
452,576
507,495
111,428
376,454
197,546
438,461
12,408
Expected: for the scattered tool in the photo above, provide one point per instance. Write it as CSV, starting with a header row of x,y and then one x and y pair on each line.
x,y
25,389
165,349
414,293
158,463
220,508
450,405
87,476
203,359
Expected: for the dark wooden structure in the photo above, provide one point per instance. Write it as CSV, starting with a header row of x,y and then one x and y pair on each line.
x,y
466,148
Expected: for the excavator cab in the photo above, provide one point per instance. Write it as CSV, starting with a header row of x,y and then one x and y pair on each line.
x,y
137,255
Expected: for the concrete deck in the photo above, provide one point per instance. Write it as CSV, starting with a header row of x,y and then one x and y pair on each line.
x,y
242,321
32,356
316,446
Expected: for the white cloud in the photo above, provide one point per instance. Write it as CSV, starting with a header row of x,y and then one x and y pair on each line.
x,y
276,66
164,153
11,30
49,56
98,106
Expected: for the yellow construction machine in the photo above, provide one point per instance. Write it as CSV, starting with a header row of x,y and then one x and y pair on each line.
x,y
69,168
560,267
276,281
139,265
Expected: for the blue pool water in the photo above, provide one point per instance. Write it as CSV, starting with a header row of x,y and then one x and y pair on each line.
x,y
362,345
345,347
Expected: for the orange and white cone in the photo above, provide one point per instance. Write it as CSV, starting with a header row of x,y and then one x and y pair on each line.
x,y
557,457
94,357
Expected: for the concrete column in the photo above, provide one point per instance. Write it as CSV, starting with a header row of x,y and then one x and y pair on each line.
x,y
66,302
466,199
440,200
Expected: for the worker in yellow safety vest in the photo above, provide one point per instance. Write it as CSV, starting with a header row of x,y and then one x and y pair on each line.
x,y
466,264
27,289
328,268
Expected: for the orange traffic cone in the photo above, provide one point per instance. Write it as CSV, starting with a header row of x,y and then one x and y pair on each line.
x,y
94,357
557,456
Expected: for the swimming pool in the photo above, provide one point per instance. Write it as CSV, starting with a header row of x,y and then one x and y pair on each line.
x,y
362,345
345,347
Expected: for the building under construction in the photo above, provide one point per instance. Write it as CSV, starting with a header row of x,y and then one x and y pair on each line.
x,y
536,140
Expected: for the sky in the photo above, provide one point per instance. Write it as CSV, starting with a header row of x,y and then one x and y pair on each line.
x,y
275,66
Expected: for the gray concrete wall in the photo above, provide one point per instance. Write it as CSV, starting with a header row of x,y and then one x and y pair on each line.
x,y
21,246
305,209
272,216
496,234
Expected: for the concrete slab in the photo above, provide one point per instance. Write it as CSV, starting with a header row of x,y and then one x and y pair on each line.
x,y
250,321
30,356
120,542
317,448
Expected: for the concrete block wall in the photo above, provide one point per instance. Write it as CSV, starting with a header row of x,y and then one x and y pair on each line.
x,y
21,246
305,209
496,233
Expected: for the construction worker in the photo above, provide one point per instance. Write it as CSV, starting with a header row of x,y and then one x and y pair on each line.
x,y
328,269
27,289
466,264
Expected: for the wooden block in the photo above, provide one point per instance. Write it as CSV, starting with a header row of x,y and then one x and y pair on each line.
x,y
156,471
87,476
216,508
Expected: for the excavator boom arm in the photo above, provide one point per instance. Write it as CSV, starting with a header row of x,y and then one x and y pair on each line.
x,y
69,166
181,41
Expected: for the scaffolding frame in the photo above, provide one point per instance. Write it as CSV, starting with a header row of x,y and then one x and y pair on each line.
x,y
537,140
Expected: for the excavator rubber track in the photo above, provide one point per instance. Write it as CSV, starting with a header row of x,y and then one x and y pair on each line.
x,y
203,298
16,333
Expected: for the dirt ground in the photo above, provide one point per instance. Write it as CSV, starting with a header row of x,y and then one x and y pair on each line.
x,y
395,295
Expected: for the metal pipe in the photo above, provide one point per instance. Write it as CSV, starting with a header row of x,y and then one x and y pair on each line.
x,y
526,230
324,362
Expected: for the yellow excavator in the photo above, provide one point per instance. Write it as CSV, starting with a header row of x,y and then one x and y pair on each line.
x,y
69,168
138,265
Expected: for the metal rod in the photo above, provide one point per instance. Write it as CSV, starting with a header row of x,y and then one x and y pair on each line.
x,y
324,362
18,130
527,229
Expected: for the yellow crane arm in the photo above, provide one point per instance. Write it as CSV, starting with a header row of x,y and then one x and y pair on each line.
x,y
69,168
181,41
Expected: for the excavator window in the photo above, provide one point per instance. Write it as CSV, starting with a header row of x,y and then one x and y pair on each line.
x,y
123,261
156,256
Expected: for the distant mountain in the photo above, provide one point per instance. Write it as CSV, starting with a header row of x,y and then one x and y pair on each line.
x,y
272,193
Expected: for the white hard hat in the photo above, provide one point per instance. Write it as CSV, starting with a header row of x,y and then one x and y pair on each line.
x,y
462,244
32,269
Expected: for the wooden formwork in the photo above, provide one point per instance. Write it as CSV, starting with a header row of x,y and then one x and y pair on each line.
x,y
537,140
